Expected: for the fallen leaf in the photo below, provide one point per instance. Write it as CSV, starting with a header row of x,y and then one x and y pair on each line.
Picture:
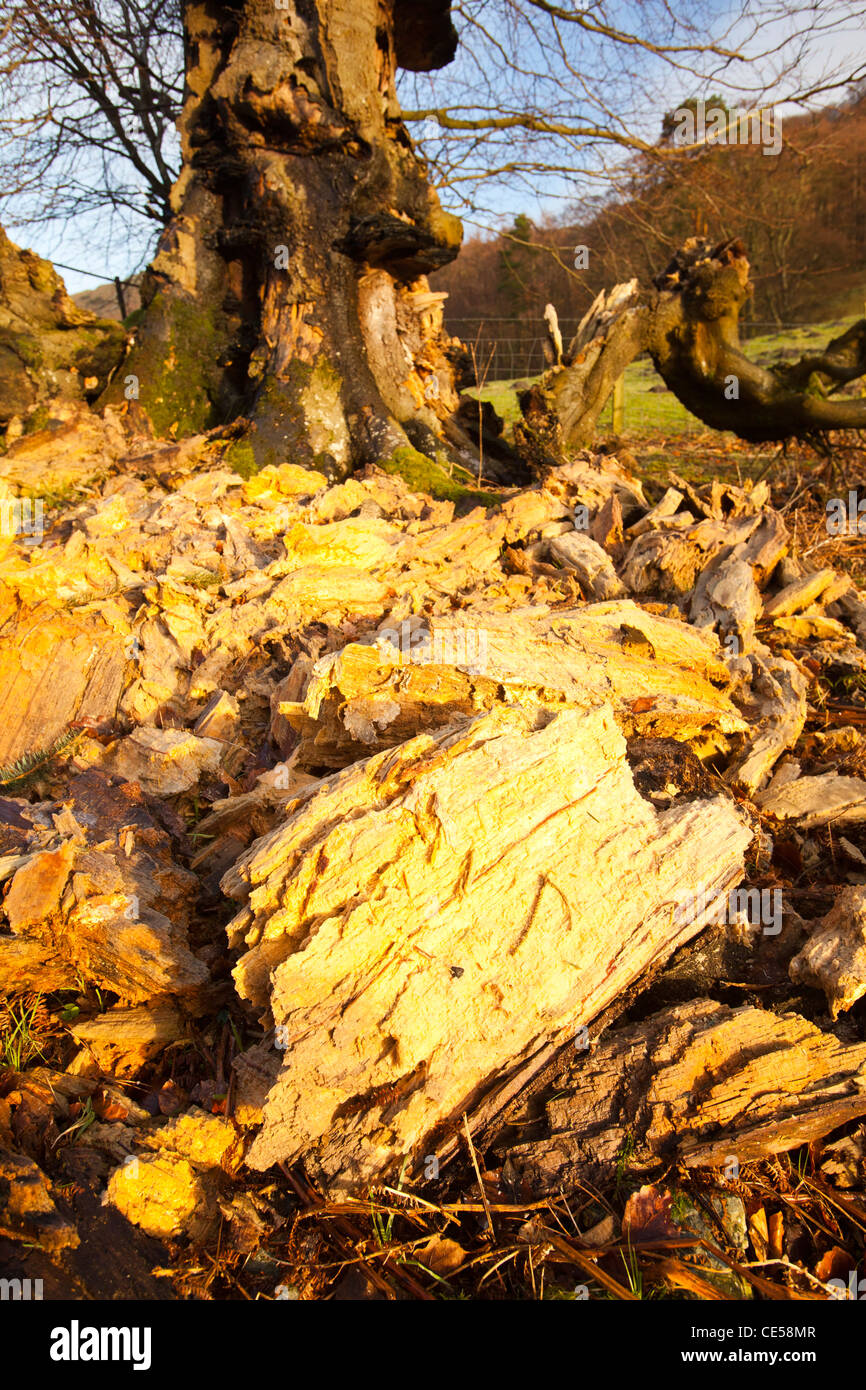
x,y
833,1264
603,1233
108,1108
647,1215
442,1256
776,1223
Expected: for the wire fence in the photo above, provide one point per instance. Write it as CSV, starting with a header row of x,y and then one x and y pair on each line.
x,y
508,348
509,354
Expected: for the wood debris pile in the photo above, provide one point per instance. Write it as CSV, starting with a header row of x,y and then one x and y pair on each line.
x,y
425,794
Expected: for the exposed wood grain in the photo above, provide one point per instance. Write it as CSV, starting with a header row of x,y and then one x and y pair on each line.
x,y
699,1082
488,889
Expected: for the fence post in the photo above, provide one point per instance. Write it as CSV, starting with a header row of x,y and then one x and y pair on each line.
x,y
618,405
121,299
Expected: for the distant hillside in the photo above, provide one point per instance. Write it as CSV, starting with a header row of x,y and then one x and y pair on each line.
x,y
102,300
801,214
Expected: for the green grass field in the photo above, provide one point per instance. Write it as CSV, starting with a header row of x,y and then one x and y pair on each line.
x,y
653,412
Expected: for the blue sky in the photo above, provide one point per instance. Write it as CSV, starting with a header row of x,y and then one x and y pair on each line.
x,y
642,88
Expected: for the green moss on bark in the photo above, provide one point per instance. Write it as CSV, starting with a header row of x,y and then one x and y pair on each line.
x,y
177,374
101,348
299,418
240,456
424,474
25,347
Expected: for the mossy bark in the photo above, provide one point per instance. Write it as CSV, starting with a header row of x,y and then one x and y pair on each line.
x,y
290,286
51,350
438,477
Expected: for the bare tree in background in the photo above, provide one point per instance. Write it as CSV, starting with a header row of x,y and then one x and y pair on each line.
x,y
802,215
550,100
289,291
90,91
543,100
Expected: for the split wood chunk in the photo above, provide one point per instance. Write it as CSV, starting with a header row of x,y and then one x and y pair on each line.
x,y
163,761
67,456
662,676
766,547
316,593
854,608
288,479
27,1210
776,707
103,899
809,801
663,509
813,623
220,718
592,565
727,597
698,1082
834,957
26,963
840,587
165,1195
663,564
439,913
167,1182
799,595
591,481
120,1041
744,550
55,670
607,526
366,543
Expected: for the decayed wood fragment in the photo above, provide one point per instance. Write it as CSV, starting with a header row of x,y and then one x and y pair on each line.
x,y
776,708
166,1196
854,610
592,565
444,910
829,798
766,547
698,1082
813,623
662,676
663,509
663,564
103,898
163,761
28,964
121,1040
27,1209
834,957
167,1181
56,670
68,455
729,599
592,481
801,594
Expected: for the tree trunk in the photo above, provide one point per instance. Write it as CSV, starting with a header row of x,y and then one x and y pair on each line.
x,y
290,287
689,324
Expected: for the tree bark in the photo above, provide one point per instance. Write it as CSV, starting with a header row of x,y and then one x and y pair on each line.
x,y
699,1082
290,287
53,354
